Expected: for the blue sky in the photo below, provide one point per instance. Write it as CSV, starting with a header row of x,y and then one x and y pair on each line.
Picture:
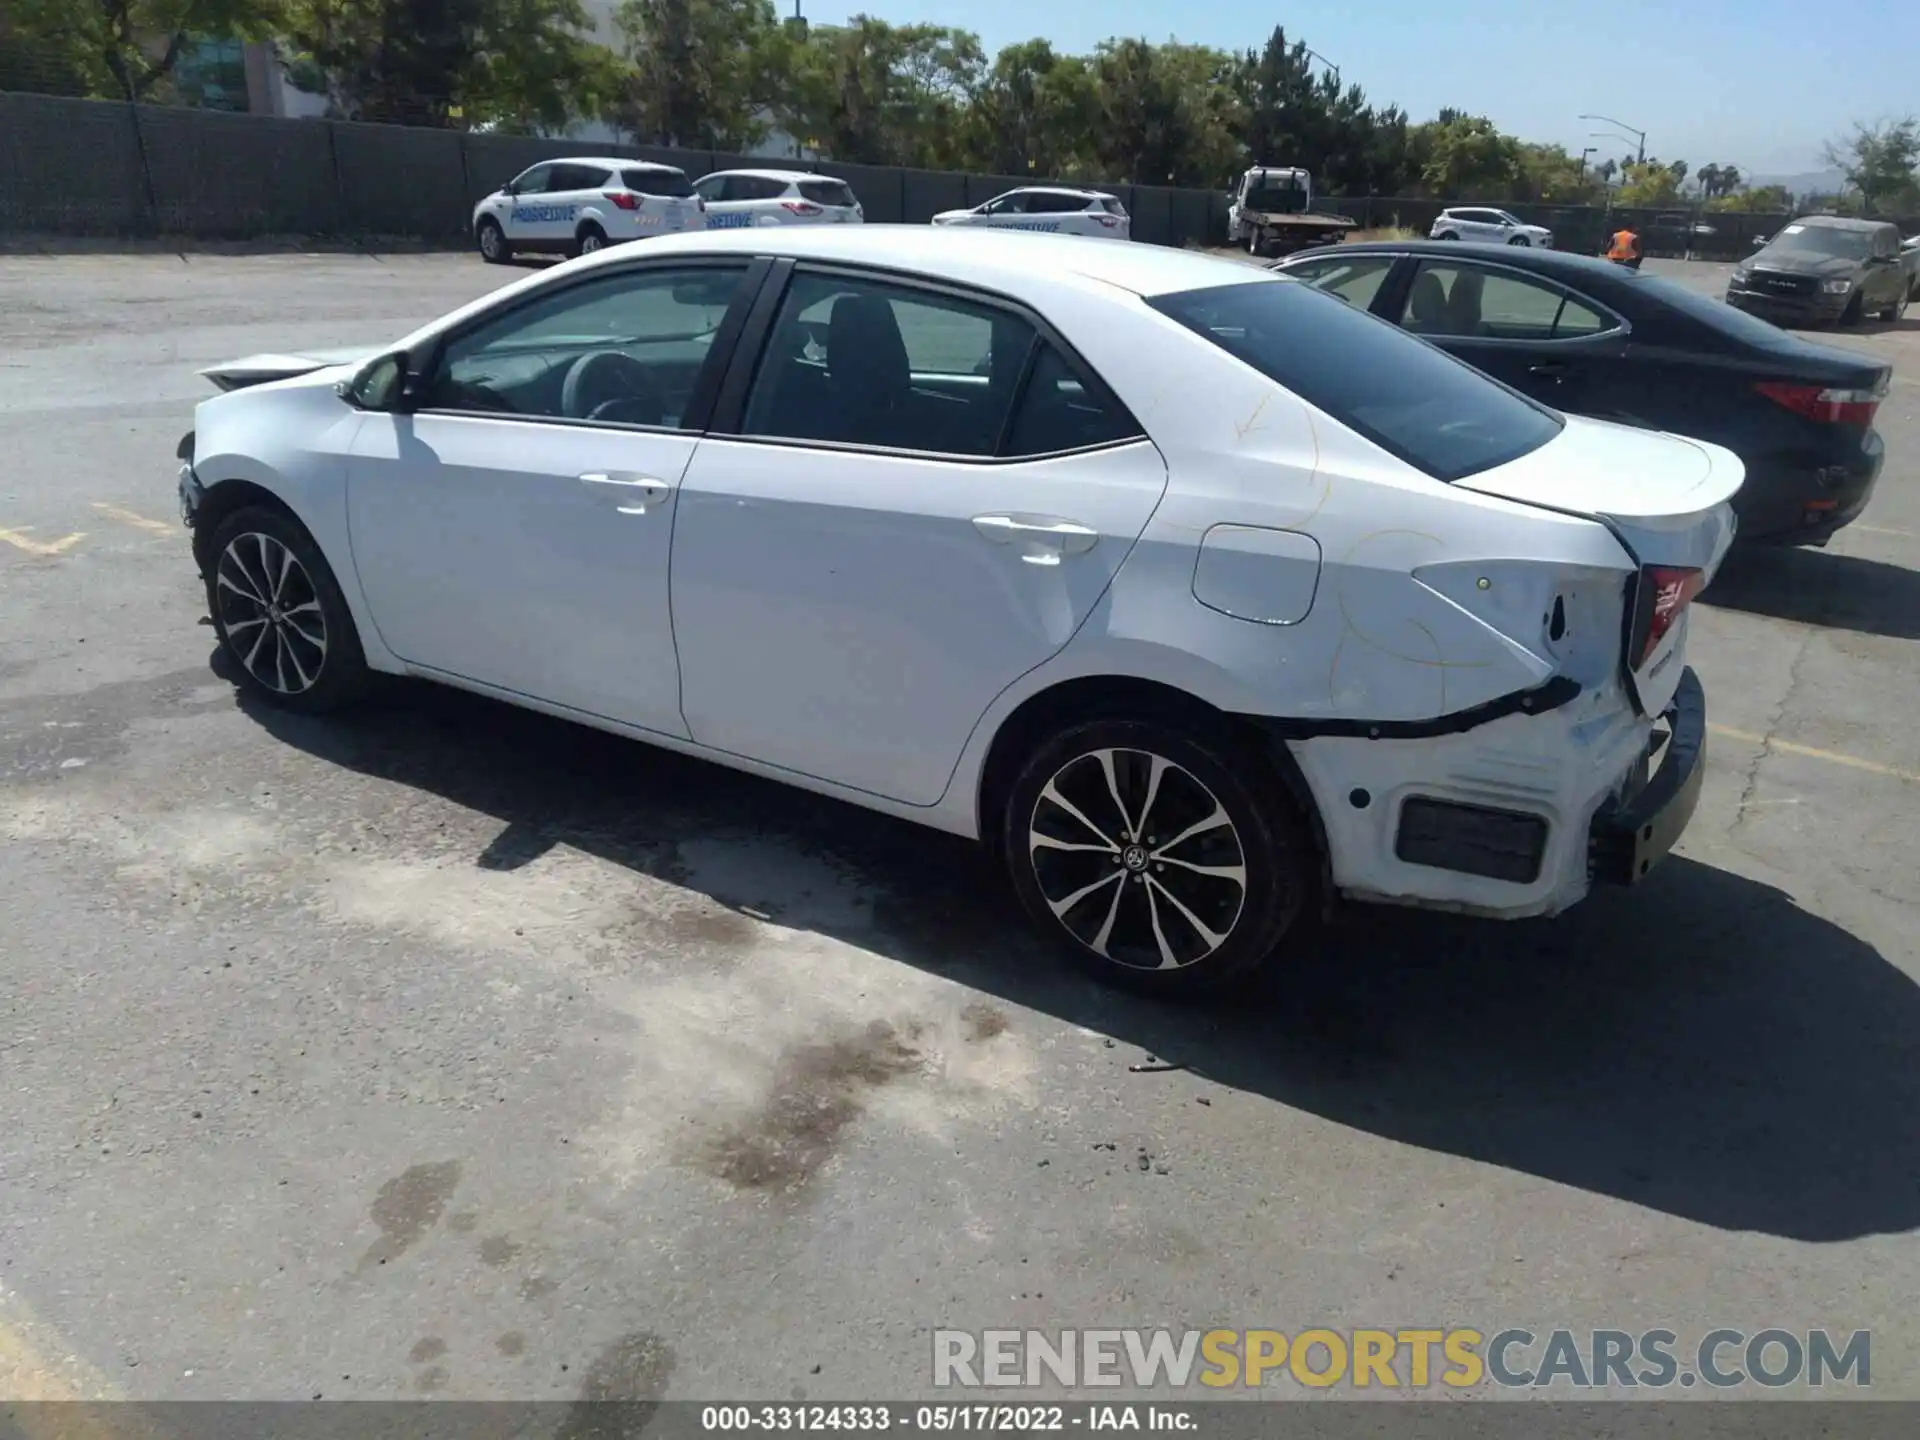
x,y
1755,83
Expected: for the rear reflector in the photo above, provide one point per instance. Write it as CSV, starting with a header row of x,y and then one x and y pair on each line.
x,y
1665,593
1829,406
623,200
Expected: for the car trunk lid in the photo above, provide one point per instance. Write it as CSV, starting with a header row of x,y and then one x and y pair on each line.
x,y
1665,498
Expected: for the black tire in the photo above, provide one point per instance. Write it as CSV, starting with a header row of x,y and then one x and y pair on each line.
x,y
1263,837
589,239
1856,307
1447,235
1895,310
266,586
492,241
1521,241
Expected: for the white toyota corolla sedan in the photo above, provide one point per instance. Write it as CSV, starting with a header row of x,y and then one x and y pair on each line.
x,y
1199,596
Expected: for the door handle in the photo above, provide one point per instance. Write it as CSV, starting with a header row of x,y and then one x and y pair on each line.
x,y
1043,539
633,493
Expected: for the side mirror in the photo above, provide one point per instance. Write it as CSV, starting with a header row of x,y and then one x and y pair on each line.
x,y
380,385
510,188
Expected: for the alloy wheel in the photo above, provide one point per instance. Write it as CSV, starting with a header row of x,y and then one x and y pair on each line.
x,y
1137,859
270,613
590,242
490,241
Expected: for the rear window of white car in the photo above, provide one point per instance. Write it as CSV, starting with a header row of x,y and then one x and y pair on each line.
x,y
1112,206
827,192
670,183
1411,399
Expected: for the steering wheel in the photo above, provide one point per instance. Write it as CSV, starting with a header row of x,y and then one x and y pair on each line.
x,y
606,381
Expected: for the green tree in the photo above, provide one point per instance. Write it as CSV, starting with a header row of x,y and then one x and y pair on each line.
x,y
421,62
1032,112
882,94
123,49
1879,162
703,71
1653,185
1466,157
1767,199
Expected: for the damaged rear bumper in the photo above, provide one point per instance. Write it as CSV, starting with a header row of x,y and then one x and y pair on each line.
x,y
1634,833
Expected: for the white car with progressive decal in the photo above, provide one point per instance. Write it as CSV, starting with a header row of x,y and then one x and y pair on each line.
x,y
737,199
1050,209
574,207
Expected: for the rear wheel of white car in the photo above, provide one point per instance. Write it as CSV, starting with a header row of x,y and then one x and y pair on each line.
x,y
279,614
1156,855
590,239
492,241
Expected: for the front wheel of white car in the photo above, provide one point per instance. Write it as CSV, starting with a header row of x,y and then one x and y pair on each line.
x,y
280,616
1160,857
1521,241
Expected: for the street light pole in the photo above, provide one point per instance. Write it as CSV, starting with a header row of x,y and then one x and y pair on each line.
x,y
1316,55
1626,127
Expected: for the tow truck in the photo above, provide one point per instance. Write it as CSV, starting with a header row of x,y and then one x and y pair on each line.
x,y
1270,211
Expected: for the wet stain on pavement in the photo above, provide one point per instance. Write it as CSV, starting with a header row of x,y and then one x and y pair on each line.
x,y
463,1223
432,1347
511,1344
497,1250
819,1090
434,1377
407,1207
983,1021
538,1287
621,1389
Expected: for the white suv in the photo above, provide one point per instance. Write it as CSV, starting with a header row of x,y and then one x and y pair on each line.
x,y
574,207
1494,227
737,198
1048,208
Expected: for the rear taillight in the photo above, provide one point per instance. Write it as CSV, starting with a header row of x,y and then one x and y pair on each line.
x,y
1107,220
1665,593
800,207
624,200
1829,406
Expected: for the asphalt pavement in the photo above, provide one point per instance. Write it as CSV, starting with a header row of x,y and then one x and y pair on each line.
x,y
448,1050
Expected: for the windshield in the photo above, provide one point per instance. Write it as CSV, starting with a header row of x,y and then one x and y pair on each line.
x,y
1414,401
1822,240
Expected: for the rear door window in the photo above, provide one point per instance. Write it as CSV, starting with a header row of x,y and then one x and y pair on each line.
x,y
1473,302
1059,411
1416,402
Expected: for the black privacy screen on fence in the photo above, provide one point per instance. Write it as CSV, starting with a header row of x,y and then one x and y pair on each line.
x,y
98,168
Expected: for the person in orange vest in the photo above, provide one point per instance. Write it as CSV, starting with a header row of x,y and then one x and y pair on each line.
x,y
1625,249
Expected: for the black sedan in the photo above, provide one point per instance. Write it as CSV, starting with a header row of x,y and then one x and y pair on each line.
x,y
1596,339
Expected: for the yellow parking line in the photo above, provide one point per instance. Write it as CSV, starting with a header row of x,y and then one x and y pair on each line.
x,y
1832,757
20,541
139,522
